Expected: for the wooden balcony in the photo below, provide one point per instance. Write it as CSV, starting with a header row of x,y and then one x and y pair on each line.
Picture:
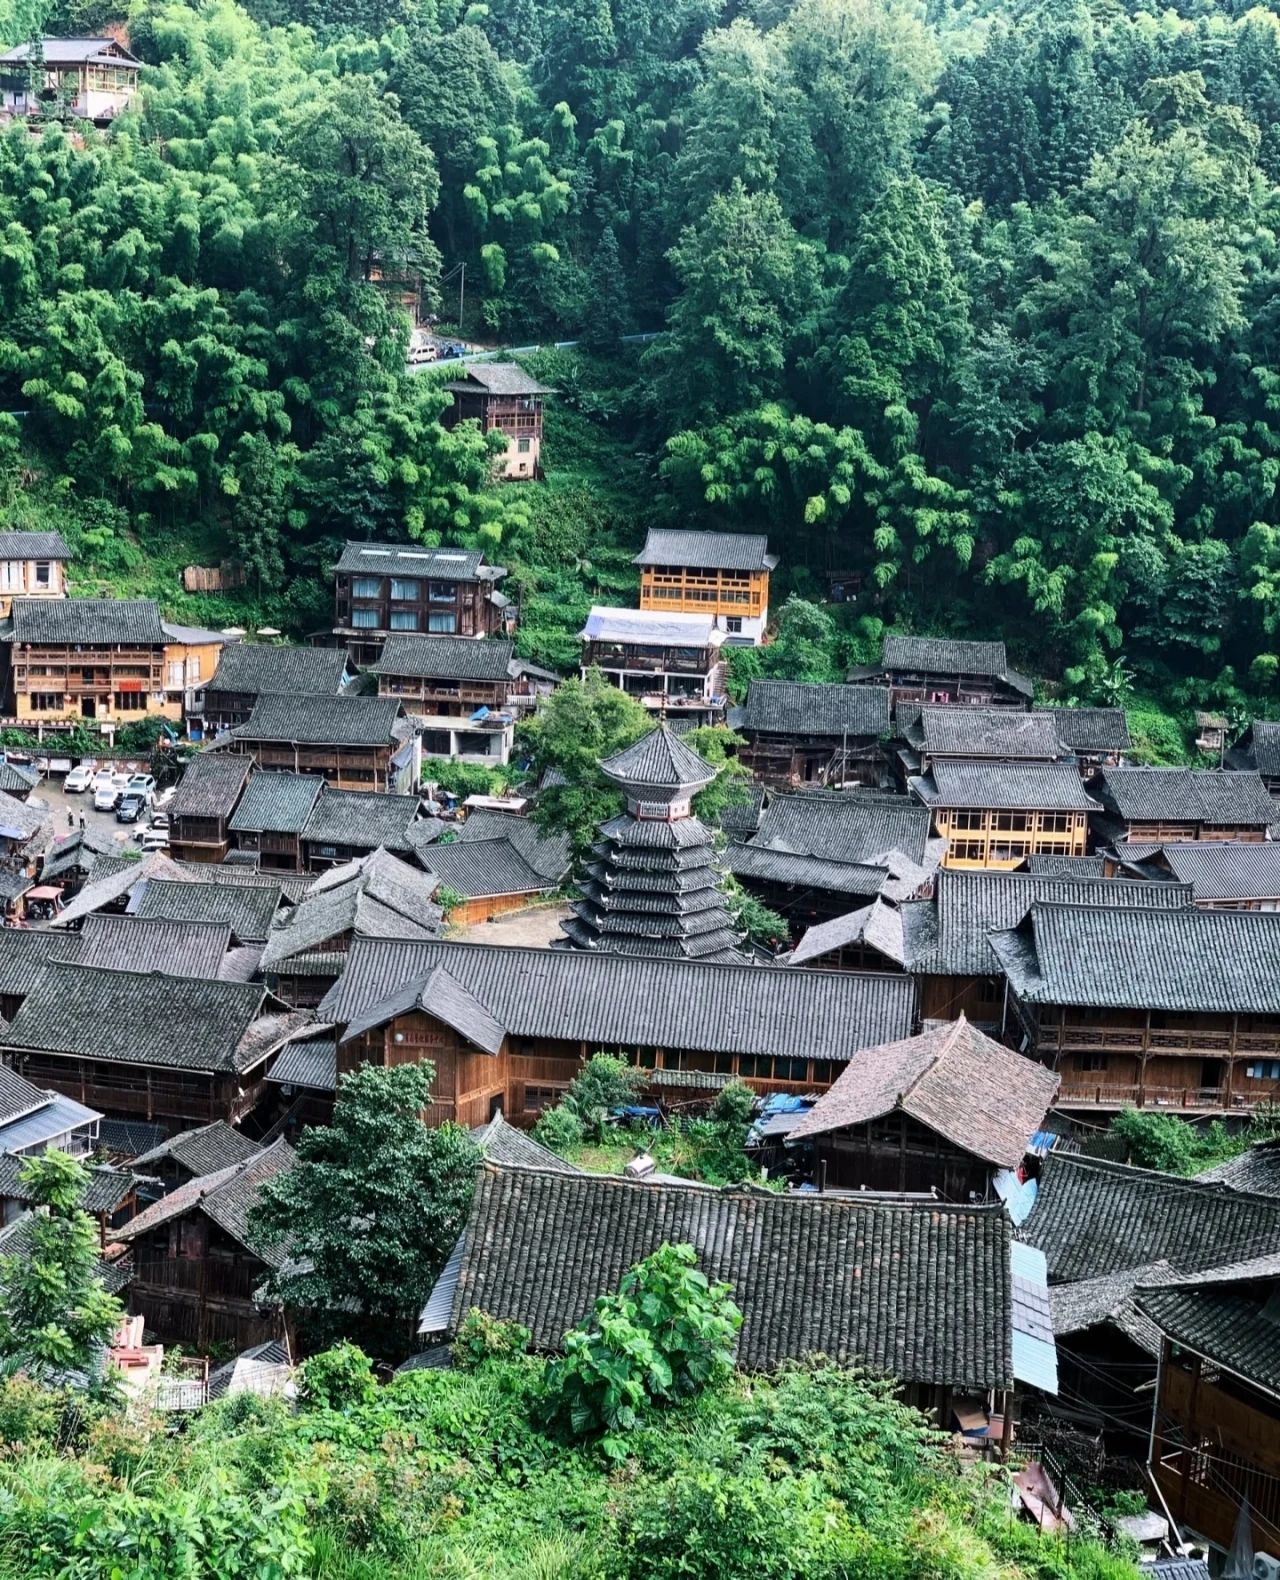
x,y
1143,1039
1077,1091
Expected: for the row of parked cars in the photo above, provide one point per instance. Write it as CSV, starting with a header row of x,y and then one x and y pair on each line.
x,y
127,795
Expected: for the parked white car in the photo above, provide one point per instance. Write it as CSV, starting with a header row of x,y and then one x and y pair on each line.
x,y
155,839
102,776
106,796
143,785
79,779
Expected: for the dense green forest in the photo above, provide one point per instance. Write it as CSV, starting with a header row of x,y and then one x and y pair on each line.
x,y
975,300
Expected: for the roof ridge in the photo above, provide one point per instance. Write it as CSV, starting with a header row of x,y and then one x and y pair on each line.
x,y
948,1042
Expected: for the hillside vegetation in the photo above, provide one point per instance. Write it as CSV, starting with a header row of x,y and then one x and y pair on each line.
x,y
974,301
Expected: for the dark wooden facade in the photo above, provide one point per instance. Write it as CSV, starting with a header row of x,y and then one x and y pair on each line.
x,y
206,839
789,759
452,699
897,1153
529,1074
276,852
1191,1062
194,1284
1216,1444
370,604
345,767
177,1098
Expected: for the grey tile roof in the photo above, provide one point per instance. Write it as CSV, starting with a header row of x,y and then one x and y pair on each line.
x,y
772,866
877,925
446,658
441,994
277,803
502,1143
233,875
113,877
1227,871
1048,866
253,667
127,1137
947,936
92,622
16,780
660,759
75,52
963,731
376,896
23,957
1228,1319
33,546
312,1064
211,785
362,819
974,1092
921,1293
618,1001
1093,1218
1213,962
227,1197
500,378
321,721
940,655
548,854
137,1018
1266,747
1256,1170
1043,787
787,707
131,943
206,1150
713,551
843,826
1090,729
1109,1300
18,1096
1187,795
248,909
411,559
480,868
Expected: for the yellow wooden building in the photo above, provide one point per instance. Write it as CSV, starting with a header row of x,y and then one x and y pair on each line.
x,y
995,815
721,574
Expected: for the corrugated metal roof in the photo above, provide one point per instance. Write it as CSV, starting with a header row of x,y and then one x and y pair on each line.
x,y
1035,1354
56,1116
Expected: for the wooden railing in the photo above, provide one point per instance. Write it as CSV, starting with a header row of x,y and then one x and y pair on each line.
x,y
1137,1039
1077,1091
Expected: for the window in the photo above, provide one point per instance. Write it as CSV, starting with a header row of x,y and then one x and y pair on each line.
x,y
404,591
442,624
174,682
130,702
1263,1070
45,702
367,586
11,576
404,619
444,592
44,573
523,446
733,624
364,619
1093,1061
536,1098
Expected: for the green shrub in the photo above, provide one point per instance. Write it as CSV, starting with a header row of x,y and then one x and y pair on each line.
x,y
603,1084
560,1129
484,1338
1158,1141
734,1105
337,1379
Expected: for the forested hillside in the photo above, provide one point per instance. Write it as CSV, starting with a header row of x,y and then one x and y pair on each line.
x,y
974,300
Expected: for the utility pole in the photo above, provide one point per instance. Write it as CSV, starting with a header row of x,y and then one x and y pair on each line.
x,y
462,287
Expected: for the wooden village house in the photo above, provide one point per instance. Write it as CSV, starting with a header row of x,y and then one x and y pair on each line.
x,y
508,1028
945,945
722,574
1224,876
85,658
381,589
201,810
198,1267
1171,1009
91,79
996,814
1156,806
194,1154
801,734
32,565
271,814
246,670
352,743
499,861
162,1048
344,824
941,1112
671,663
502,398
938,669
465,696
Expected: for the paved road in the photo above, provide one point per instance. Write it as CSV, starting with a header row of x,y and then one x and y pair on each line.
x,y
534,928
53,795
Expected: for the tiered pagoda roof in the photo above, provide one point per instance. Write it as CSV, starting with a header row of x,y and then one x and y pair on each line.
x,y
653,886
